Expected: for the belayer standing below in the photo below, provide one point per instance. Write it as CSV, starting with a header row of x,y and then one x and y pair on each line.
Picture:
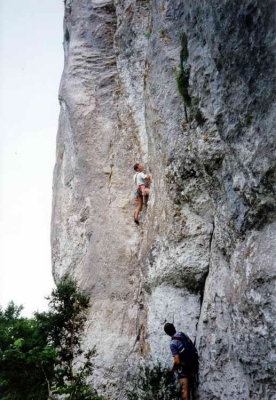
x,y
142,182
185,360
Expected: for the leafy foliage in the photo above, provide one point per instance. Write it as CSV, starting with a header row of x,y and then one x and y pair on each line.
x,y
42,358
25,357
153,382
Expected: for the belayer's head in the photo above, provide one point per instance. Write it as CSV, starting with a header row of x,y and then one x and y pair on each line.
x,y
169,329
138,167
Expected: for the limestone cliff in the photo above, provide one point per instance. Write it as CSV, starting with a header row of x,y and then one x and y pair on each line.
x,y
187,88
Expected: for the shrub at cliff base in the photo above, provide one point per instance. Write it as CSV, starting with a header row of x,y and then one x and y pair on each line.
x,y
38,355
153,382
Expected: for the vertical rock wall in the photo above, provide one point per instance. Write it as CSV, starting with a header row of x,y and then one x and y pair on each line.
x,y
188,88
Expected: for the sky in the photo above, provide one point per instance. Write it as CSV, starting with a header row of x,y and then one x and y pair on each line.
x,y
31,62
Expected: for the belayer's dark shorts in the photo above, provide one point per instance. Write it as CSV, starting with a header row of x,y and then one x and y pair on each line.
x,y
185,371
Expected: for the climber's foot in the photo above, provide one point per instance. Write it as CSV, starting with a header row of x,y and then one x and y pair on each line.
x,y
136,221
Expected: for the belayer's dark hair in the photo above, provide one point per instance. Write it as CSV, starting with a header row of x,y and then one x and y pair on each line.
x,y
136,166
169,329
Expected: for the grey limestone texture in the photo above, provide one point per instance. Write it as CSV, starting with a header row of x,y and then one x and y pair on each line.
x,y
188,89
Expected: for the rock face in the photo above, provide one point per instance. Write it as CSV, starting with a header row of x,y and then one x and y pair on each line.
x,y
188,89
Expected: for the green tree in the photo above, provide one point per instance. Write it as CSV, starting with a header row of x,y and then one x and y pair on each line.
x,y
25,357
42,357
65,324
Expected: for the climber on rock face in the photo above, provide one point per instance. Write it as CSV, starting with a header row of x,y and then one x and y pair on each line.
x,y
185,361
142,182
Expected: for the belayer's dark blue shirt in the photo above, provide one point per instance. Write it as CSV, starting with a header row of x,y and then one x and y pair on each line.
x,y
176,345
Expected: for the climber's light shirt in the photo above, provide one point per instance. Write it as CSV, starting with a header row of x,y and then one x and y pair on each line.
x,y
140,178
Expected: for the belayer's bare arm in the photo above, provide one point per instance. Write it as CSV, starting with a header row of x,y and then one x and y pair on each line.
x,y
176,362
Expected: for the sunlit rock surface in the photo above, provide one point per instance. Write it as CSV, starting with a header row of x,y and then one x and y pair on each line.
x,y
188,89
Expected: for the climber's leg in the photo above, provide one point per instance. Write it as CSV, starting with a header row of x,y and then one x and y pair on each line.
x,y
184,388
138,209
146,191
